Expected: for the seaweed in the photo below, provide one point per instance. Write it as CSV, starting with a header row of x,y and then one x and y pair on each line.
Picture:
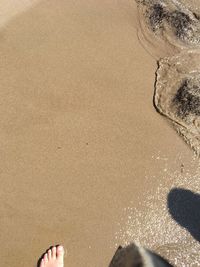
x,y
181,23
157,15
187,99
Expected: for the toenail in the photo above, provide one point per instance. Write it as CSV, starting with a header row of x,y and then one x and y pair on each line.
x,y
60,248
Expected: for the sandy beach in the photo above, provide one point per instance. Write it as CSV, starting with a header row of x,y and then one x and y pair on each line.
x,y
86,161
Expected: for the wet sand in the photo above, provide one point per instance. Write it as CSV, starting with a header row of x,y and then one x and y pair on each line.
x,y
86,161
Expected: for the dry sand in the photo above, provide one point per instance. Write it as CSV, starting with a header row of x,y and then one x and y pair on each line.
x,y
85,159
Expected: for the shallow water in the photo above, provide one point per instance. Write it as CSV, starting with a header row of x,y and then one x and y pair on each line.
x,y
167,27
177,96
173,30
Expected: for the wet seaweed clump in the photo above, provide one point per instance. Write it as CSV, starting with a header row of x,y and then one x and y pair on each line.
x,y
181,23
157,15
187,99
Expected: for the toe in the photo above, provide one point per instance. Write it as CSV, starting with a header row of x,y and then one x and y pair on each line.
x,y
60,253
42,263
45,258
53,253
49,254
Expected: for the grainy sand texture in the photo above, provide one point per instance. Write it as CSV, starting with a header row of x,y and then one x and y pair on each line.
x,y
86,161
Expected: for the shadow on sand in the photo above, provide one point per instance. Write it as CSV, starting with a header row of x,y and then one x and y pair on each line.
x,y
184,207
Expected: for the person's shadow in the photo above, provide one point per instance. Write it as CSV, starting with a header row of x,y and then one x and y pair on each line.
x,y
184,207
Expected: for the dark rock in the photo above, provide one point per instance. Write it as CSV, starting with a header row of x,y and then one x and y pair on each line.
x,y
134,256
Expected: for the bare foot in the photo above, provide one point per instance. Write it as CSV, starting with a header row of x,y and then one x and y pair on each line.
x,y
53,258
